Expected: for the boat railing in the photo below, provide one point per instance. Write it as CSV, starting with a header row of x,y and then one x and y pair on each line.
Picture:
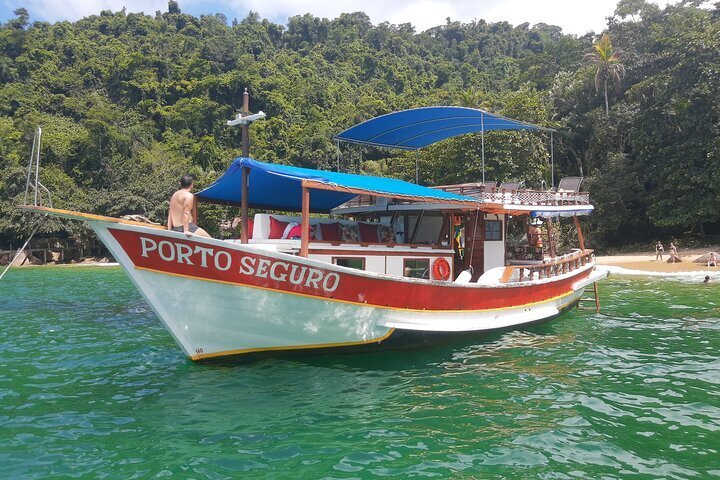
x,y
486,194
518,197
549,268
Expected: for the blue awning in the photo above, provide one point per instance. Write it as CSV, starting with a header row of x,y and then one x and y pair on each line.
x,y
420,127
279,187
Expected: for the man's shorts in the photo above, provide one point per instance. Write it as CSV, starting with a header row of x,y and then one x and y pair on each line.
x,y
191,226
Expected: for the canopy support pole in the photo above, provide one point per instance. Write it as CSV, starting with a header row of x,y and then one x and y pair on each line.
x,y
337,144
581,239
482,144
305,225
417,169
244,205
552,161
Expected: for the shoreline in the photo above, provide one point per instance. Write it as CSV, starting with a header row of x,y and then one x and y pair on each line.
x,y
646,262
64,265
625,264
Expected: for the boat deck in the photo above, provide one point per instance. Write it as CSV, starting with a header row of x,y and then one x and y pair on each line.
x,y
521,198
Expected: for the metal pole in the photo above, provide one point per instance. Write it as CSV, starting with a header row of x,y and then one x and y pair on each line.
x,y
417,170
37,163
337,143
482,143
552,162
245,126
29,170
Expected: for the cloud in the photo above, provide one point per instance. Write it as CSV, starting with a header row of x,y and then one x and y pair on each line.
x,y
572,15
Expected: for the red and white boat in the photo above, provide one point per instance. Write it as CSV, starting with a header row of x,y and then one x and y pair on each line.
x,y
384,270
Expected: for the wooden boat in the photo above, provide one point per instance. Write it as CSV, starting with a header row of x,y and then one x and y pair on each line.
x,y
385,270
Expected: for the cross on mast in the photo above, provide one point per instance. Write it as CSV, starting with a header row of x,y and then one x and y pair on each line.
x,y
243,118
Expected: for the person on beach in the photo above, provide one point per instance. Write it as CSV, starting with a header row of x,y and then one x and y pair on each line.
x,y
673,252
712,260
707,279
182,213
659,249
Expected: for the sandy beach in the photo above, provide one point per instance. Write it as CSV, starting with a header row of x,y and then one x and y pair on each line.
x,y
646,261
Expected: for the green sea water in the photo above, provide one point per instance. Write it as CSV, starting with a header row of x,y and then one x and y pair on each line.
x,y
92,386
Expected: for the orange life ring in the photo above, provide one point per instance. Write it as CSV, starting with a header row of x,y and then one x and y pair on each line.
x,y
441,269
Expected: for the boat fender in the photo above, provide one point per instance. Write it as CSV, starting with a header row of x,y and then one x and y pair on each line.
x,y
441,269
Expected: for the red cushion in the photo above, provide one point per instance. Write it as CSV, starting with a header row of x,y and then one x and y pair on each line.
x,y
368,232
277,228
330,232
251,226
295,231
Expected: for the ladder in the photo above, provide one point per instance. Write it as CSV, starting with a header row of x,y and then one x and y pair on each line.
x,y
592,298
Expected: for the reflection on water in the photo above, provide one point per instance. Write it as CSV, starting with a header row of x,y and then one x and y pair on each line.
x,y
92,386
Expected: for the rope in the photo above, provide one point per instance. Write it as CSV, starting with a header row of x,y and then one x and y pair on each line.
x,y
39,224
472,250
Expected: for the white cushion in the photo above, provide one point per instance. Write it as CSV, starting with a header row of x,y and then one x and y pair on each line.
x,y
464,277
491,277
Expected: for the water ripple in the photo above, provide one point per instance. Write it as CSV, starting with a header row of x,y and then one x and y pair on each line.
x,y
92,386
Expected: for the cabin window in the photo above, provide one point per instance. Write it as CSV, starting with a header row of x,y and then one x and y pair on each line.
x,y
429,229
422,227
416,268
350,262
410,221
493,230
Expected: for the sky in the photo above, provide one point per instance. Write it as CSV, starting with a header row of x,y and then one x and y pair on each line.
x,y
574,16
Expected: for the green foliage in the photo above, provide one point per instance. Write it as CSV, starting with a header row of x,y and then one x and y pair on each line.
x,y
129,102
652,157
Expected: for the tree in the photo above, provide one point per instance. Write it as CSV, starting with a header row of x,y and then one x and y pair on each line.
x,y
128,102
608,67
173,7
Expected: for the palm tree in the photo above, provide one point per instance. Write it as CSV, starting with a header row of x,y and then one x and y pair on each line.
x,y
609,67
474,98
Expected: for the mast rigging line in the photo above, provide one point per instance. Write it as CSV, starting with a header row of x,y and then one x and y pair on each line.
x,y
21,249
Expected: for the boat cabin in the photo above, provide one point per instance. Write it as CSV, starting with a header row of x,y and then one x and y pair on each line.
x,y
388,226
385,226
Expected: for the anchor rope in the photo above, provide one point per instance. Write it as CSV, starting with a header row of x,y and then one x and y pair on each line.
x,y
21,249
472,250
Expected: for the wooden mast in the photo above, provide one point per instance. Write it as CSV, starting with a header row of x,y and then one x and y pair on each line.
x,y
305,225
244,205
245,172
245,126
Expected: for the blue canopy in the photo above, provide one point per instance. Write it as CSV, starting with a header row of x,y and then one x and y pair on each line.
x,y
279,187
419,127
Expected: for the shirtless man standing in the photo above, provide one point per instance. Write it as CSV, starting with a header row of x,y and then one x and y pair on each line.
x,y
183,210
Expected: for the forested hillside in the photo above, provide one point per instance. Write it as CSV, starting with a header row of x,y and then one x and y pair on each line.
x,y
129,102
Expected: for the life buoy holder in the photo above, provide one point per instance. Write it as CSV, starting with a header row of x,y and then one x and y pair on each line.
x,y
441,269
